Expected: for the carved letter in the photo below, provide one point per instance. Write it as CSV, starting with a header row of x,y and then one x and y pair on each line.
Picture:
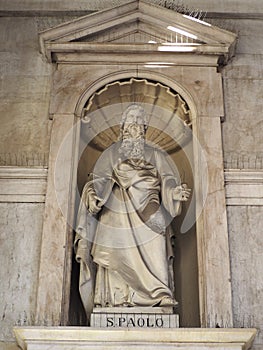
x,y
121,321
110,322
131,321
140,322
148,323
159,322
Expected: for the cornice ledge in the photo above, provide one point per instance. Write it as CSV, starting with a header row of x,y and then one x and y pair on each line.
x,y
244,176
244,187
86,338
23,184
79,53
17,172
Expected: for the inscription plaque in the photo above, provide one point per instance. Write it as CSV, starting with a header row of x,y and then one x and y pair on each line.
x,y
135,319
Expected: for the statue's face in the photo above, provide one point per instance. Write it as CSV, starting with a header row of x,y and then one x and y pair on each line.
x,y
134,116
133,126
133,131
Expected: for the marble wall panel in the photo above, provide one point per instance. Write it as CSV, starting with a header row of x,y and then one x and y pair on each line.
x,y
24,88
242,80
23,129
243,89
246,242
242,130
20,237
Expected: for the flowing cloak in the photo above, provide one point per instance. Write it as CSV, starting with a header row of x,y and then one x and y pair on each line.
x,y
129,240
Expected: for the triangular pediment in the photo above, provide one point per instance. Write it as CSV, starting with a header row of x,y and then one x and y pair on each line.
x,y
141,32
138,22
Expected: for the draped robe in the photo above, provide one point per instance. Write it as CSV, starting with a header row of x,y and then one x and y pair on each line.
x,y
125,250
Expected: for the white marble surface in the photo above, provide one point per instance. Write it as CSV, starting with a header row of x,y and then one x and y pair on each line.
x,y
246,242
56,231
212,235
20,237
24,88
242,79
74,338
132,320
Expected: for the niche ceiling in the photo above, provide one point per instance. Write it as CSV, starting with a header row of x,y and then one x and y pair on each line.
x,y
168,114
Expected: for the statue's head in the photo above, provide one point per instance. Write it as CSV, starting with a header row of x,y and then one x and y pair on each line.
x,y
133,127
134,114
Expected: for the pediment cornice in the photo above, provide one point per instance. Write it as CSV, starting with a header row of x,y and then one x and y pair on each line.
x,y
136,27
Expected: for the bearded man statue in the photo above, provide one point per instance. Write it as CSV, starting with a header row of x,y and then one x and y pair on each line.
x,y
123,236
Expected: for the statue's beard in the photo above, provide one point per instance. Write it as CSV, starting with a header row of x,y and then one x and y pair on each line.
x,y
133,140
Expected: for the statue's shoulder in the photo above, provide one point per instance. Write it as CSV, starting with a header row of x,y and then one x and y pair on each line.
x,y
107,160
111,150
154,151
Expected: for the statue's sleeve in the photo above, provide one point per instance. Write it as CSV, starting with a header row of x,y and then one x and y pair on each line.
x,y
99,184
85,230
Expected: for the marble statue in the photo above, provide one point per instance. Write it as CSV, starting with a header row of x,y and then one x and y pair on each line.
x,y
123,236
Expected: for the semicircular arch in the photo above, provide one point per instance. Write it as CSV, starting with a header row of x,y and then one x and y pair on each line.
x,y
127,74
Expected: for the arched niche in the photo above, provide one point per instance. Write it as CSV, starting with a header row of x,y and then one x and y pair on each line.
x,y
169,129
113,45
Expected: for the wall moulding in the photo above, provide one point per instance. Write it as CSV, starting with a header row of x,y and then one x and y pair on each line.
x,y
98,55
28,184
244,187
23,184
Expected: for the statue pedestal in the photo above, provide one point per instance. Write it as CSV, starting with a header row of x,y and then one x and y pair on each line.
x,y
134,317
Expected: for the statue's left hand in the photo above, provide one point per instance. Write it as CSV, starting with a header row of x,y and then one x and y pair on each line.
x,y
181,193
94,204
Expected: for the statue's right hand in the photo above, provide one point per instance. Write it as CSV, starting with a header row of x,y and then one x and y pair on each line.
x,y
94,204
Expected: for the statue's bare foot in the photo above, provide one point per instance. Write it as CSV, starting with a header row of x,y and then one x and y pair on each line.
x,y
167,301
